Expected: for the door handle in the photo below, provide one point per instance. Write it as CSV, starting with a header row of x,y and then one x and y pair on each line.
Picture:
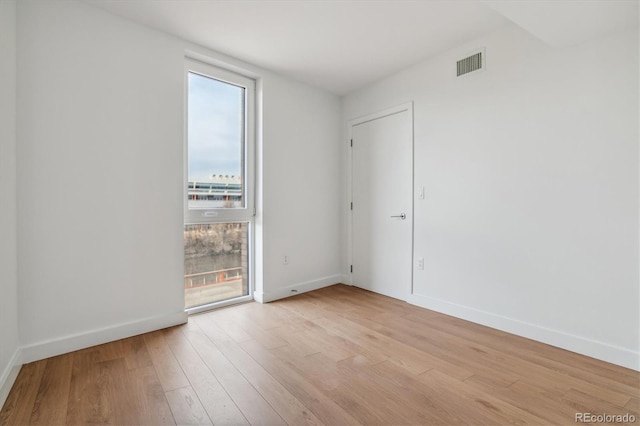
x,y
401,216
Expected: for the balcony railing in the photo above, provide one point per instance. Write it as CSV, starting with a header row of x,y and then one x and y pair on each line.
x,y
212,277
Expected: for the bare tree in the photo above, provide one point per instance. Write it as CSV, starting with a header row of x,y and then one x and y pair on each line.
x,y
212,239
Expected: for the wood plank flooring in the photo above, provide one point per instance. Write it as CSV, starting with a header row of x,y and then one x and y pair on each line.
x,y
335,356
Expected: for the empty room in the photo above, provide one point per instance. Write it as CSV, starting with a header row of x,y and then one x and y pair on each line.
x,y
367,212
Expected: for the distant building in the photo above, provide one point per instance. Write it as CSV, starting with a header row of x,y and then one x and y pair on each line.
x,y
214,191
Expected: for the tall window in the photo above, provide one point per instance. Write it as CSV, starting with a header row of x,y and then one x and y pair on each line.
x,y
219,186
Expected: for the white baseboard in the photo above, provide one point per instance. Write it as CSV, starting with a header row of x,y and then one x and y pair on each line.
x,y
257,296
9,375
592,348
74,342
292,290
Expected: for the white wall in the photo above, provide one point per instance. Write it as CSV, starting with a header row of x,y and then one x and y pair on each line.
x,y
9,353
303,189
530,222
100,106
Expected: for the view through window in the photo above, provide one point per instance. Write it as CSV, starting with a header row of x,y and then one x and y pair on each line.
x,y
218,187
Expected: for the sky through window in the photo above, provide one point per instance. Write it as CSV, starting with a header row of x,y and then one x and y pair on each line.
x,y
215,127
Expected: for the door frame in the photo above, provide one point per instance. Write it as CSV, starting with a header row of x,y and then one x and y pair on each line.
x,y
408,106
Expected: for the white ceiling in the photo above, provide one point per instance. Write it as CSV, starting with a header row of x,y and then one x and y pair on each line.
x,y
568,22
343,45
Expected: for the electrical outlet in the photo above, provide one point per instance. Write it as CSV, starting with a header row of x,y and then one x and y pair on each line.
x,y
421,263
286,260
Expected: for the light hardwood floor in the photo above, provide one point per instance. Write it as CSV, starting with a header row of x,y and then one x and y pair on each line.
x,y
335,356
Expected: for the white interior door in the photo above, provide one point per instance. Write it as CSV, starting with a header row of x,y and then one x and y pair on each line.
x,y
382,195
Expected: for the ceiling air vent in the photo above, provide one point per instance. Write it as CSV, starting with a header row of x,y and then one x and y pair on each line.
x,y
470,64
